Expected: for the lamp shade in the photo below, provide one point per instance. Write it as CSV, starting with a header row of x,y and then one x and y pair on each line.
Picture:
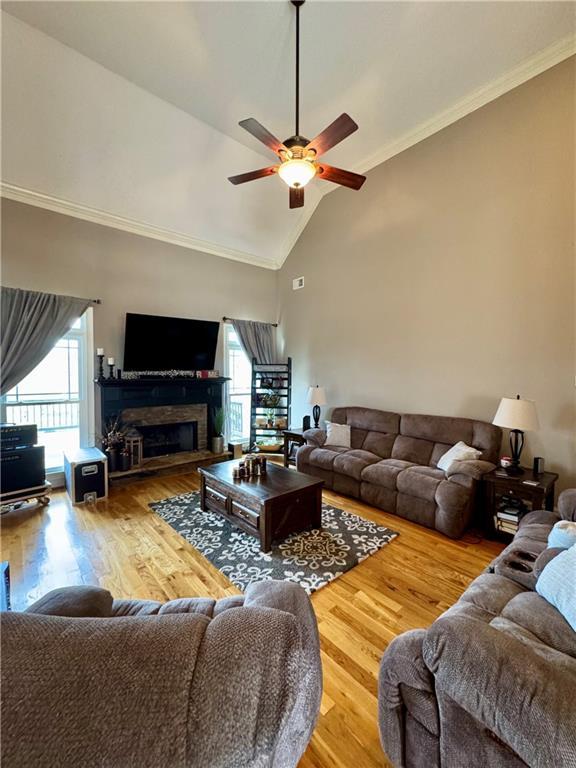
x,y
316,396
514,413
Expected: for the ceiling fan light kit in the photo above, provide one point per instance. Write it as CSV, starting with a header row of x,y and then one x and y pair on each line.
x,y
297,155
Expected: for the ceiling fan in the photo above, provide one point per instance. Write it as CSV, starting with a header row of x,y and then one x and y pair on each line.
x,y
299,156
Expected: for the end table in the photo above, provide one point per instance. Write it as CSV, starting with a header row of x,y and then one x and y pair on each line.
x,y
507,498
292,439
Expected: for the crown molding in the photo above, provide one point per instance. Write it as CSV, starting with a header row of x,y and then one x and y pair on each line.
x,y
525,71
96,216
535,65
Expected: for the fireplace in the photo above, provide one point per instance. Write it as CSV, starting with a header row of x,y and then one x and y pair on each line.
x,y
163,439
168,429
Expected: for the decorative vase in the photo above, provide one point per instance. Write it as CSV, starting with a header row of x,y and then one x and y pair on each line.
x,y
112,454
218,444
125,463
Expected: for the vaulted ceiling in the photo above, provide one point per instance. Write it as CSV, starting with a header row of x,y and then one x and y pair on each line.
x,y
401,69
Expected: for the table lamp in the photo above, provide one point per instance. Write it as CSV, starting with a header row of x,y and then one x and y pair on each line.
x,y
316,397
518,416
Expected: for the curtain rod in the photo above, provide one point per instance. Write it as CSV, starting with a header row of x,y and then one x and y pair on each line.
x,y
230,319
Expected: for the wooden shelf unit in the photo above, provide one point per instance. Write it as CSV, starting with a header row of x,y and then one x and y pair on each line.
x,y
273,379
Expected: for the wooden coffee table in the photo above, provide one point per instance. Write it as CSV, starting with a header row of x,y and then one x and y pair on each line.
x,y
269,507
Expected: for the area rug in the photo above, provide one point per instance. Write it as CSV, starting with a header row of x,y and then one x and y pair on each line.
x,y
311,558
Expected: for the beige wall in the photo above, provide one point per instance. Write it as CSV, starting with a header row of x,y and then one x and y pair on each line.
x,y
448,281
47,251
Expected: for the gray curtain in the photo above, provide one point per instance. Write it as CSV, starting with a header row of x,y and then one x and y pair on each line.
x,y
32,323
257,340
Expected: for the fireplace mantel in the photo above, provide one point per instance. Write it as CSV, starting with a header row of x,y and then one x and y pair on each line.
x,y
117,395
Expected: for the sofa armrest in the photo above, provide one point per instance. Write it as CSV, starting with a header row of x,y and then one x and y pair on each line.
x,y
315,437
405,683
524,697
567,504
74,602
260,664
472,468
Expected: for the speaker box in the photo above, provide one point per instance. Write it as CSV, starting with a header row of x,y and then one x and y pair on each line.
x,y
18,436
306,422
22,469
86,472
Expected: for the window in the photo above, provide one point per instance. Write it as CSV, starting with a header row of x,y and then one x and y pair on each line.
x,y
57,396
238,368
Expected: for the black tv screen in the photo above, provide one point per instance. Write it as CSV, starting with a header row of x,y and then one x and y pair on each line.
x,y
154,343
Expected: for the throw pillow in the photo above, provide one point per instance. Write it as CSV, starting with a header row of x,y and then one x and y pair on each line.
x,y
458,452
563,534
557,584
337,434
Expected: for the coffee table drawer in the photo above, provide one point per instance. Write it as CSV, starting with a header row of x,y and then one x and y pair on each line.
x,y
250,517
216,500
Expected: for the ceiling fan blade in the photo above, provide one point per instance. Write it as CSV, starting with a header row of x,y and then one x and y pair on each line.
x,y
338,176
262,134
242,178
342,127
296,197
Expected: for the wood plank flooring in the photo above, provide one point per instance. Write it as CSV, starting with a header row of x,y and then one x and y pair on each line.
x,y
123,546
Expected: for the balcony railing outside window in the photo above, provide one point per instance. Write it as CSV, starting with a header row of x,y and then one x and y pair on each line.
x,y
53,396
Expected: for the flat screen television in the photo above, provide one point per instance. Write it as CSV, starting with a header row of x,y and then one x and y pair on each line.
x,y
155,343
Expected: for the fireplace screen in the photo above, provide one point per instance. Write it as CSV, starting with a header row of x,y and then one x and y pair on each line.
x,y
163,439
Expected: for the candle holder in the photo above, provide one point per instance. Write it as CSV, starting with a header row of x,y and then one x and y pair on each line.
x,y
100,367
111,369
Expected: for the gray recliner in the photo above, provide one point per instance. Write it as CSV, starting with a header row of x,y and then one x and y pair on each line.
x,y
88,681
493,681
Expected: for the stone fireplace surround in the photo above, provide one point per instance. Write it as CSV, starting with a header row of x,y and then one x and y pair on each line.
x,y
169,416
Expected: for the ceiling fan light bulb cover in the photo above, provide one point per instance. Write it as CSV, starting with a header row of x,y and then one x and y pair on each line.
x,y
297,173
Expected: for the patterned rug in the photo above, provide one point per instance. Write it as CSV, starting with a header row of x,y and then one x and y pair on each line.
x,y
311,558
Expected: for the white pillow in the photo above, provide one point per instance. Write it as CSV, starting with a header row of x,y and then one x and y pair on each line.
x,y
458,452
337,434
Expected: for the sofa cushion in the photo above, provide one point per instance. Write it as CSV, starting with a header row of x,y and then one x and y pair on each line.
x,y
357,437
353,462
379,443
324,457
421,511
421,482
385,472
437,452
534,614
369,419
450,430
412,449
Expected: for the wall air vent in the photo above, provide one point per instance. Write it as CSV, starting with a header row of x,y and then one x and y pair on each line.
x,y
297,283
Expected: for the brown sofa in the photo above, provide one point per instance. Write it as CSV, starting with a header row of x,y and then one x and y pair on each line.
x,y
392,464
192,683
492,682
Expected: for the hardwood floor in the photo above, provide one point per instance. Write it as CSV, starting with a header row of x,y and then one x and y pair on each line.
x,y
122,545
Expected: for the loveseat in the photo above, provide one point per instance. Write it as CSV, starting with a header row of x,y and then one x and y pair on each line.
x,y
88,681
493,681
392,464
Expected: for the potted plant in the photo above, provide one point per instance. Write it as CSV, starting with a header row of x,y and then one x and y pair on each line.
x,y
218,425
113,443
